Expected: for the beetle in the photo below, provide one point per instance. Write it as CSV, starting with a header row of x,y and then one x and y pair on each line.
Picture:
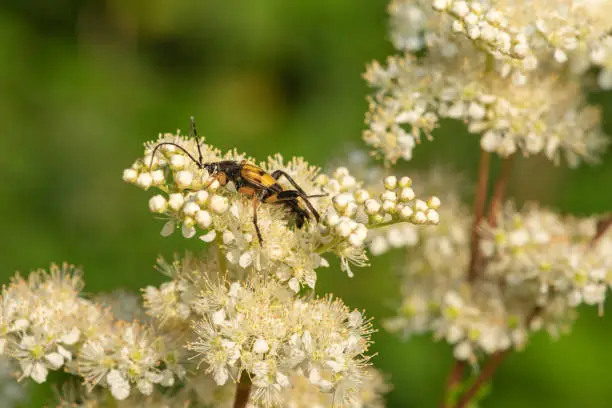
x,y
252,181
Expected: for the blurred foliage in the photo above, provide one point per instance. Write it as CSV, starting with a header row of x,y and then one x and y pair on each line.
x,y
84,83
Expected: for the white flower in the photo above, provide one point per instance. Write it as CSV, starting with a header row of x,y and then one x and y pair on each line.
x,y
260,346
119,386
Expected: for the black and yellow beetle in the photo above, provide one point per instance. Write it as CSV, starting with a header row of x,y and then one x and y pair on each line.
x,y
252,181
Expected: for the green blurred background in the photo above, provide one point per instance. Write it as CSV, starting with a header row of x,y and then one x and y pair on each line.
x,y
84,83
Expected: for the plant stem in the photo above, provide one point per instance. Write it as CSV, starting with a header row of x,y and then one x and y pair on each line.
x,y
499,190
479,206
456,374
602,227
221,256
243,390
485,375
454,377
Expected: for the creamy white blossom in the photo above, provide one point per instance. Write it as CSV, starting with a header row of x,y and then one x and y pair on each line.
x,y
535,268
46,325
261,328
498,66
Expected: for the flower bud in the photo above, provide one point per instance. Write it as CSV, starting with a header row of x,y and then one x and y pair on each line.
x,y
433,203
183,179
407,194
201,197
175,201
144,180
433,217
405,182
361,196
158,204
158,177
177,162
203,219
390,182
219,204
406,212
190,208
388,206
420,205
130,175
389,196
372,206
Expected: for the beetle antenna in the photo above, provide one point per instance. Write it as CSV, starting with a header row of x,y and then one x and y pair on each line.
x,y
195,134
177,146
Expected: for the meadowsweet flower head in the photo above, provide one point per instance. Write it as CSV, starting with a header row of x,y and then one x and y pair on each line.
x,y
499,68
46,325
194,201
553,253
74,395
536,267
129,356
39,320
260,329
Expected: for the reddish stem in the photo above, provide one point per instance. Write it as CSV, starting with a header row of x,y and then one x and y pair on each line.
x,y
485,375
479,207
602,227
243,390
454,377
499,190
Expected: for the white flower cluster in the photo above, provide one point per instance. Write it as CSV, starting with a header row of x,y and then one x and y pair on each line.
x,y
436,262
535,268
39,320
474,77
395,235
487,26
192,199
202,391
296,351
304,394
553,254
173,303
75,395
392,192
45,325
126,355
260,328
523,35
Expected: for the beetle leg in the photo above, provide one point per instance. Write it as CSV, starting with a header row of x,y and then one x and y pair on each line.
x,y
255,202
288,195
300,214
278,173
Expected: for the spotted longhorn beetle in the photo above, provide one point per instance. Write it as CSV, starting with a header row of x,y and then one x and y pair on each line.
x,y
254,182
